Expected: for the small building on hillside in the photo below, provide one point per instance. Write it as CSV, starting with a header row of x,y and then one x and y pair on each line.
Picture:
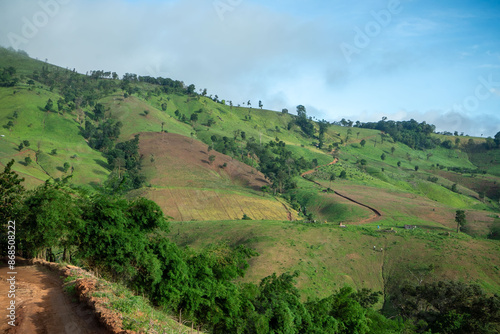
x,y
410,227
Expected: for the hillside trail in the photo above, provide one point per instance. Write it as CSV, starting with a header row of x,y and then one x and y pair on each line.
x,y
376,214
41,305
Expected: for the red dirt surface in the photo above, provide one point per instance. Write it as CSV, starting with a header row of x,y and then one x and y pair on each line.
x,y
177,157
188,187
42,306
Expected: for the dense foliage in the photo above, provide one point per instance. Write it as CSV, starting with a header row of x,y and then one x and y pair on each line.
x,y
449,307
8,77
273,159
415,135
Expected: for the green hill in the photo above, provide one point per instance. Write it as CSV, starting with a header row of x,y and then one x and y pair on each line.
x,y
209,163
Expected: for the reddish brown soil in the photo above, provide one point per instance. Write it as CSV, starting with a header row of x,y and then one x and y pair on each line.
x,y
479,183
187,186
177,157
42,306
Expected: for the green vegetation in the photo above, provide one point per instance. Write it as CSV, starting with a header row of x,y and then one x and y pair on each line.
x,y
82,141
126,241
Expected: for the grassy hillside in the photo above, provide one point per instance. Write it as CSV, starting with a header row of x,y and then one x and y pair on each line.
x,y
45,131
208,197
329,257
188,186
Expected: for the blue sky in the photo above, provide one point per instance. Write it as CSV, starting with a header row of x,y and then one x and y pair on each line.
x,y
437,61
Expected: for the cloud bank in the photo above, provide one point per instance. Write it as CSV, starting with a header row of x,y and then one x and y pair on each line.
x,y
358,61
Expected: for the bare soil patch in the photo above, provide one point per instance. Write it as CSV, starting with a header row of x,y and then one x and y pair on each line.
x,y
183,161
41,305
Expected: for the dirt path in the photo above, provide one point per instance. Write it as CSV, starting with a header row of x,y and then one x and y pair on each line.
x,y
41,305
377,213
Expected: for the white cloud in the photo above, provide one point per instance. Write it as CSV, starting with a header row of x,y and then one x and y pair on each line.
x,y
283,53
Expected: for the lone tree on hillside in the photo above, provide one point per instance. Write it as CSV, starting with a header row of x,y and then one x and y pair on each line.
x,y
363,143
211,159
49,106
332,178
460,219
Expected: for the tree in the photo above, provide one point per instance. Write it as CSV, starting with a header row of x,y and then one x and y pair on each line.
x,y
449,307
60,104
146,112
9,125
11,192
284,111
194,117
382,156
20,147
301,111
363,143
416,168
392,150
399,163
49,106
99,111
260,104
331,179
190,89
343,174
211,159
66,166
164,106
447,144
28,161
460,219
162,125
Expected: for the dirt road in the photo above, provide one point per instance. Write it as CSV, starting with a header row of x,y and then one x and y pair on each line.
x,y
42,306
376,213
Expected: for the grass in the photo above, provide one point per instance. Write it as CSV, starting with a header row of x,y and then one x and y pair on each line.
x,y
329,257
136,312
45,132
